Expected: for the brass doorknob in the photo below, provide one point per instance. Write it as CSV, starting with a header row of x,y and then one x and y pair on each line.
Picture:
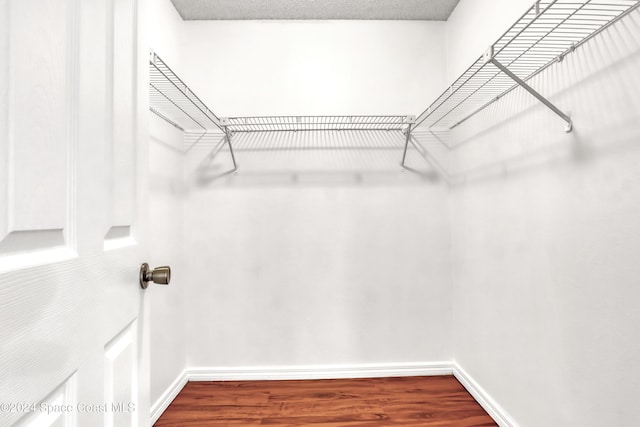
x,y
159,275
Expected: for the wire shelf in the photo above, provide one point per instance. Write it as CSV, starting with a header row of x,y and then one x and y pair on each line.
x,y
547,32
544,35
172,100
317,123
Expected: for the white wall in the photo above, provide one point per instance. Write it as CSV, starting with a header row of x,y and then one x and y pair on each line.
x,y
167,304
321,251
545,236
318,276
315,67
474,26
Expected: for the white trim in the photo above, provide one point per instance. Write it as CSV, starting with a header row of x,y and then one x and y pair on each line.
x,y
297,372
495,411
167,397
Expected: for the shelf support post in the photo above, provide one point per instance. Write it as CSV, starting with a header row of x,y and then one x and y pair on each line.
x,y
489,58
228,134
410,120
406,145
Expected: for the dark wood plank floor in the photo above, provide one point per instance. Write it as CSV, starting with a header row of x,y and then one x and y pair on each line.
x,y
409,401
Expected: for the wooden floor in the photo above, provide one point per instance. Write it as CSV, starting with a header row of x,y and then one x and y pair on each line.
x,y
410,401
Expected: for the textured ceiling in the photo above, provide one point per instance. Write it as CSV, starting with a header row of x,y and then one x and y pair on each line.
x,y
432,10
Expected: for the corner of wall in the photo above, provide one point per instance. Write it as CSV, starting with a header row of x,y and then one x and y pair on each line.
x,y
493,408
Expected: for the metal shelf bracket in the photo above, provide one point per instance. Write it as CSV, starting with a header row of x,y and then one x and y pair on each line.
x,y
410,120
228,135
489,57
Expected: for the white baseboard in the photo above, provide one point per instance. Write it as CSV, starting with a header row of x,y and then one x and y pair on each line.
x,y
377,370
495,411
321,371
167,397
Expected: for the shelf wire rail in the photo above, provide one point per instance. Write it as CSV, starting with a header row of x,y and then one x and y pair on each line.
x,y
318,123
544,35
172,100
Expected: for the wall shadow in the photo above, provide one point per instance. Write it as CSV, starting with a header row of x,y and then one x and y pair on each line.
x,y
302,158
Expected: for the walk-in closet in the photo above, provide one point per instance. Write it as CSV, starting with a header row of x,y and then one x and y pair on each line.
x,y
320,213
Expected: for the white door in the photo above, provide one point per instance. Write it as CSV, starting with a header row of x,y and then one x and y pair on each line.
x,y
72,147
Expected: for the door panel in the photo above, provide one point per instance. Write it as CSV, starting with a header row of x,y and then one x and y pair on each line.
x,y
38,135
35,129
120,367
72,145
123,178
54,409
